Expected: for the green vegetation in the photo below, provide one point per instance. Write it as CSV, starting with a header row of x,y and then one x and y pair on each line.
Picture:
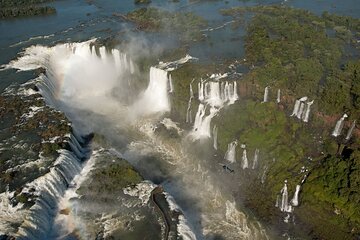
x,y
187,25
294,49
333,188
114,175
22,8
304,55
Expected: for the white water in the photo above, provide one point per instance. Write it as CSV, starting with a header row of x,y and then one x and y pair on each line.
x,y
49,189
339,126
244,160
296,108
230,154
9,213
72,78
351,129
213,94
73,89
278,99
215,134
67,223
256,158
302,109
170,66
188,111
284,206
216,93
266,94
295,200
307,112
171,86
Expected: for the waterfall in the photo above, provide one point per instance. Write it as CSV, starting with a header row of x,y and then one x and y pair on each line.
x,y
202,123
256,158
155,98
217,94
285,207
278,99
266,94
296,108
301,110
295,200
188,111
191,91
230,154
171,87
214,94
351,129
49,188
263,175
307,112
102,51
233,93
244,160
215,134
201,91
339,126
199,117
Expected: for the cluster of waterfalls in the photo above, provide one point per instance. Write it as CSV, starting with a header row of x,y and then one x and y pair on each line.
x,y
340,125
71,84
212,95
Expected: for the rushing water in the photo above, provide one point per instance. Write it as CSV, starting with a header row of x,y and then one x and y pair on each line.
x,y
93,90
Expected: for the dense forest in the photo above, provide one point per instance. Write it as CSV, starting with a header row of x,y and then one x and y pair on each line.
x,y
22,8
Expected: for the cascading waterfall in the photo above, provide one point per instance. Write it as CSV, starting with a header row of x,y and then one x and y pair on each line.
x,y
155,98
284,206
69,90
302,109
266,94
171,87
256,159
351,129
188,111
244,160
296,108
201,90
79,87
307,112
72,79
278,98
216,95
295,200
339,126
230,154
215,134
49,188
263,175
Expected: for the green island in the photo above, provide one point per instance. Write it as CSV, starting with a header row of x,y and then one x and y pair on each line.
x,y
22,8
186,25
